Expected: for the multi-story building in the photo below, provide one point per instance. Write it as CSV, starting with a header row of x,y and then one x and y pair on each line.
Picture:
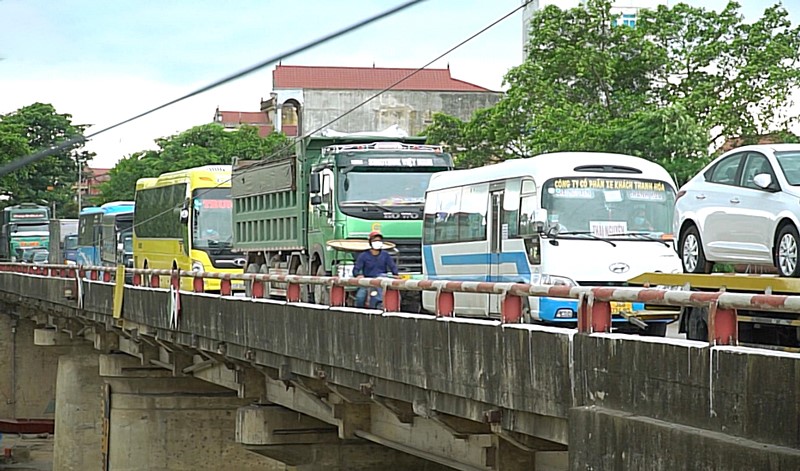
x,y
305,99
628,11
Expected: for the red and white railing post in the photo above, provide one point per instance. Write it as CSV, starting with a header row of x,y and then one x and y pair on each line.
x,y
225,286
723,325
445,303
198,284
593,315
511,308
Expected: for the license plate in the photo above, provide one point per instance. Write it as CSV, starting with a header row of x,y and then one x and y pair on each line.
x,y
618,308
404,276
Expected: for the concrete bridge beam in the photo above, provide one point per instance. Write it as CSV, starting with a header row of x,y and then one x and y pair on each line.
x,y
305,444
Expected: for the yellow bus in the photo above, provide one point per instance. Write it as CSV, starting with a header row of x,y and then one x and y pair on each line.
x,y
183,220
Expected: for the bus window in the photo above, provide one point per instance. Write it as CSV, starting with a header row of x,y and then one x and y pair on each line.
x,y
511,207
472,213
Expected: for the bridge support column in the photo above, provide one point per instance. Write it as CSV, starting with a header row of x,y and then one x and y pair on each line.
x,y
160,422
304,443
79,414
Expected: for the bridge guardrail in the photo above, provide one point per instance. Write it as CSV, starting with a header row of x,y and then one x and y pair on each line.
x,y
594,303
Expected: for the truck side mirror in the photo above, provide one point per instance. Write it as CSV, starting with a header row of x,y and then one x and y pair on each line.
x,y
314,185
316,200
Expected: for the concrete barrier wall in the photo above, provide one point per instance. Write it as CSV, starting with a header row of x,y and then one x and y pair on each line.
x,y
740,392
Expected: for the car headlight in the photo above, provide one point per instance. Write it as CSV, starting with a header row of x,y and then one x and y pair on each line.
x,y
197,267
556,280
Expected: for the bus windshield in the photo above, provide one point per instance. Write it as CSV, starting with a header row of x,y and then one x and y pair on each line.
x,y
383,188
608,206
212,225
22,229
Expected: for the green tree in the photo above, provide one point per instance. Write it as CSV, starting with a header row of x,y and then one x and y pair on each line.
x,y
201,145
52,179
680,82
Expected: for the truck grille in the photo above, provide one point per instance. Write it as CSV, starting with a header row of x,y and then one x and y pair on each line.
x,y
409,255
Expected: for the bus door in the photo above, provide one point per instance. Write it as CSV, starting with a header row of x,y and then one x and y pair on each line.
x,y
498,233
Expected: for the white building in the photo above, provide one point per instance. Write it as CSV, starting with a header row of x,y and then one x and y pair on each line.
x,y
628,9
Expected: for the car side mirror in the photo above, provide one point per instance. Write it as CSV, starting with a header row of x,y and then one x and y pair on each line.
x,y
763,181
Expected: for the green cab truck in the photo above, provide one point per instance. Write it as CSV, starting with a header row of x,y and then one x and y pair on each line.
x,y
24,227
334,188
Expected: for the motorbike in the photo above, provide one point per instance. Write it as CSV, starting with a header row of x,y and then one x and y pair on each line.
x,y
374,298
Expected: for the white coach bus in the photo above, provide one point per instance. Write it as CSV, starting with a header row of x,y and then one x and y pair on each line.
x,y
569,218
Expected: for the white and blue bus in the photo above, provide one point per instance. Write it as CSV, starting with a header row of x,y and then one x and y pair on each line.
x,y
569,218
90,231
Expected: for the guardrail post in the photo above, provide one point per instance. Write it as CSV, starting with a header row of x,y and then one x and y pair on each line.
x,y
511,308
257,288
293,292
175,279
445,303
225,287
93,275
155,281
198,284
137,279
723,325
338,295
107,276
391,300
593,316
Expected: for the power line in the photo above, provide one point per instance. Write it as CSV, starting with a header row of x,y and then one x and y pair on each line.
x,y
6,169
369,99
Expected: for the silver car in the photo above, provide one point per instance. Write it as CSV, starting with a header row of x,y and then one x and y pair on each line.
x,y
743,208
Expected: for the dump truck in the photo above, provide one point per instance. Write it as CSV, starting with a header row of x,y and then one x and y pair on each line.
x,y
288,212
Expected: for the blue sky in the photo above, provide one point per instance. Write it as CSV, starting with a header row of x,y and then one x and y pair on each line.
x,y
103,61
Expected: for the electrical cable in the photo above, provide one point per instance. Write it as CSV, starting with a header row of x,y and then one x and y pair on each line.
x,y
349,111
12,166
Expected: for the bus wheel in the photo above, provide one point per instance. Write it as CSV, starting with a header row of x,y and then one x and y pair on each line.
x,y
321,293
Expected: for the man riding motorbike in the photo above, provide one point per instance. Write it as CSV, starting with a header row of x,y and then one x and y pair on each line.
x,y
372,263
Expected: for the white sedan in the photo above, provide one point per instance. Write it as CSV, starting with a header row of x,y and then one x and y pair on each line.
x,y
743,208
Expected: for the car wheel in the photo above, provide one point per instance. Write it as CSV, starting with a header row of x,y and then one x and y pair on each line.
x,y
786,253
691,251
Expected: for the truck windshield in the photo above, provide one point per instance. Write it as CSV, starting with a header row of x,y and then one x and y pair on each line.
x,y
383,188
71,242
606,207
213,218
23,229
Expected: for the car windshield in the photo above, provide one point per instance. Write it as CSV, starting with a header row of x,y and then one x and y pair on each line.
x,y
40,256
605,207
790,165
383,188
213,218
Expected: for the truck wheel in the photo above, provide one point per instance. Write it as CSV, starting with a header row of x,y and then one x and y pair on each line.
x,y
691,251
305,293
697,324
786,252
321,293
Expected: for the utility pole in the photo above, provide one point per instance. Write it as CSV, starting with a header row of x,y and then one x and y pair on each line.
x,y
80,178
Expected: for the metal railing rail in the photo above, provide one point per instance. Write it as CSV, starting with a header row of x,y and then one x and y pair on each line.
x,y
594,303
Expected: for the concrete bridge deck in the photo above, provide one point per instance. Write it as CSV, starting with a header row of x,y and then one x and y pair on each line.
x,y
337,388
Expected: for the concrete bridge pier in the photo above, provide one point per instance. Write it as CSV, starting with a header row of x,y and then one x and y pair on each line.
x,y
161,422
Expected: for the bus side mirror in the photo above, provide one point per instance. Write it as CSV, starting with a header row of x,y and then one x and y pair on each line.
x,y
539,219
184,215
314,185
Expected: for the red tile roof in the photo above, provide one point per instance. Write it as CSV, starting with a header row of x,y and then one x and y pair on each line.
x,y
243,117
368,78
